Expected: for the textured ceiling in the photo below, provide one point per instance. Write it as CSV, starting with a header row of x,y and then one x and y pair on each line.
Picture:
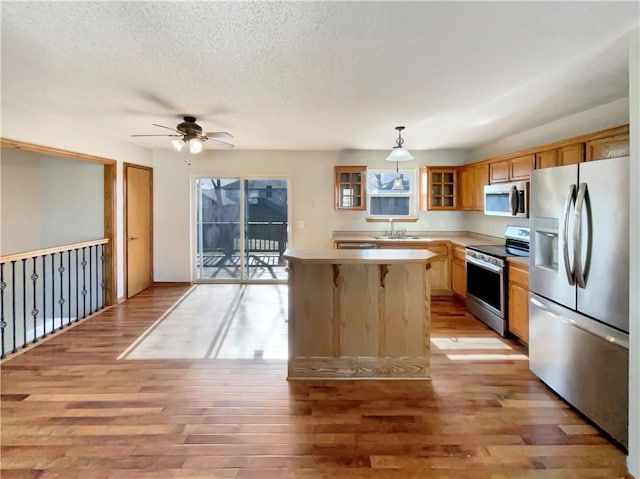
x,y
316,75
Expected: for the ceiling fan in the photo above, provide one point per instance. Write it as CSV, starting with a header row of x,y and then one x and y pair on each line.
x,y
190,134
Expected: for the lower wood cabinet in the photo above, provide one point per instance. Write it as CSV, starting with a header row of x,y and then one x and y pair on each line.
x,y
440,265
459,272
518,274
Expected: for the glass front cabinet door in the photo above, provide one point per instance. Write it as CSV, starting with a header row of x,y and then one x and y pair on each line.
x,y
350,187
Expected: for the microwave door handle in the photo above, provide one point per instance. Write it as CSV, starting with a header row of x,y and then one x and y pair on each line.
x,y
565,234
513,200
577,236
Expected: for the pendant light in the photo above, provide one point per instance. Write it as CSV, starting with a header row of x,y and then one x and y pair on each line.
x,y
399,153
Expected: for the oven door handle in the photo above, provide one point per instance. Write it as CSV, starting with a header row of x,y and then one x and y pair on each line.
x,y
481,264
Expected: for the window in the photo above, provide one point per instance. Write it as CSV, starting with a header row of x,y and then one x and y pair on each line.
x,y
391,194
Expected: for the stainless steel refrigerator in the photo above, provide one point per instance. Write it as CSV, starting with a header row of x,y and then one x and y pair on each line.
x,y
579,288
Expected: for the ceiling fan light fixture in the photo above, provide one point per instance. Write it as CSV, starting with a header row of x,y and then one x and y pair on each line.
x,y
399,153
178,143
195,146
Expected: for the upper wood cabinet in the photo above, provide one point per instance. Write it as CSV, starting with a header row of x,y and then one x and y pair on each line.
x,y
566,155
520,168
610,147
499,171
513,169
571,154
471,182
465,188
438,188
350,187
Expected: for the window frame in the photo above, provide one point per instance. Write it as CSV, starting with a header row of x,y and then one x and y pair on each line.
x,y
412,194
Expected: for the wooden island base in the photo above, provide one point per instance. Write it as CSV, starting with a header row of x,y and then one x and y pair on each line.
x,y
359,314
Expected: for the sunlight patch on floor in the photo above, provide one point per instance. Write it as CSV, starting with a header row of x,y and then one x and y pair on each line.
x,y
454,343
229,321
486,357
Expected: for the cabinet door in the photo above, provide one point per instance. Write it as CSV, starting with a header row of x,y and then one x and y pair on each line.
x,y
466,184
440,280
499,171
604,148
518,311
546,159
350,187
570,155
440,274
459,278
480,179
442,188
520,168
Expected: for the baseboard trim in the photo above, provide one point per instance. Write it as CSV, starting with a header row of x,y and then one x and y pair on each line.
x,y
160,284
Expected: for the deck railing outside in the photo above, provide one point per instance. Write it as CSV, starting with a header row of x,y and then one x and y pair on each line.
x,y
47,290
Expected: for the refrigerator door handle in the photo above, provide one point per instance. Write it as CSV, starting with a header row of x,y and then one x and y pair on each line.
x,y
565,235
577,236
513,200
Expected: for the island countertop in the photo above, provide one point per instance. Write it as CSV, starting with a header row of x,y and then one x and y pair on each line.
x,y
368,256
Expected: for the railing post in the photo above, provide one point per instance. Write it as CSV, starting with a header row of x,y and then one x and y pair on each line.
x,y
44,296
61,300
34,311
77,290
90,279
69,286
3,323
24,302
84,282
13,303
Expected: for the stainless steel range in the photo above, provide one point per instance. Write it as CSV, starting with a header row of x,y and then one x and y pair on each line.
x,y
487,277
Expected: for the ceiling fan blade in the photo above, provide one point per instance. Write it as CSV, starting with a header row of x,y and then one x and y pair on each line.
x,y
168,128
222,144
218,134
156,135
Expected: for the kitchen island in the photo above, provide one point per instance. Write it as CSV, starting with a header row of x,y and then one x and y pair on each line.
x,y
359,314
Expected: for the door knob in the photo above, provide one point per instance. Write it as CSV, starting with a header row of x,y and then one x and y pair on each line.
x,y
131,238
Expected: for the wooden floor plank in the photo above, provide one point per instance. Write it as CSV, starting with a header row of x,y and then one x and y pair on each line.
x,y
71,409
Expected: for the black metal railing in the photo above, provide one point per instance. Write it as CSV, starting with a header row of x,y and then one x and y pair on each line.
x,y
47,290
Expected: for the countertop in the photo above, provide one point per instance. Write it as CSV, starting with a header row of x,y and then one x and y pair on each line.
x,y
456,237
519,260
367,256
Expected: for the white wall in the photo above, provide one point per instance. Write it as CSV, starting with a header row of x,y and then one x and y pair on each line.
x,y
633,462
311,184
43,198
41,129
599,118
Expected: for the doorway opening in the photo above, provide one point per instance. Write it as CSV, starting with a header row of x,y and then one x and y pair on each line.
x,y
241,229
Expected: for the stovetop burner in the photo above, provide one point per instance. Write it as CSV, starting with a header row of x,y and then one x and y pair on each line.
x,y
516,244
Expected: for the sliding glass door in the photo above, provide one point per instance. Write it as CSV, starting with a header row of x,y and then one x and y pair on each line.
x,y
241,229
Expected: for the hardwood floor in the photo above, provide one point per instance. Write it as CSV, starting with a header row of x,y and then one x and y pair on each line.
x,y
71,409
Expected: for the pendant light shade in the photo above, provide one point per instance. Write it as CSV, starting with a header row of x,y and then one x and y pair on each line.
x,y
399,153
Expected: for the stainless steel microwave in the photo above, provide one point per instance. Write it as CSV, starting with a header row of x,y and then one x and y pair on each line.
x,y
507,199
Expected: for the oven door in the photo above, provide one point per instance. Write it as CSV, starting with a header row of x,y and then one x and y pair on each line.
x,y
486,294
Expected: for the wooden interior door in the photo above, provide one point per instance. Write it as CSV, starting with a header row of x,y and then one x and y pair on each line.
x,y
138,228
